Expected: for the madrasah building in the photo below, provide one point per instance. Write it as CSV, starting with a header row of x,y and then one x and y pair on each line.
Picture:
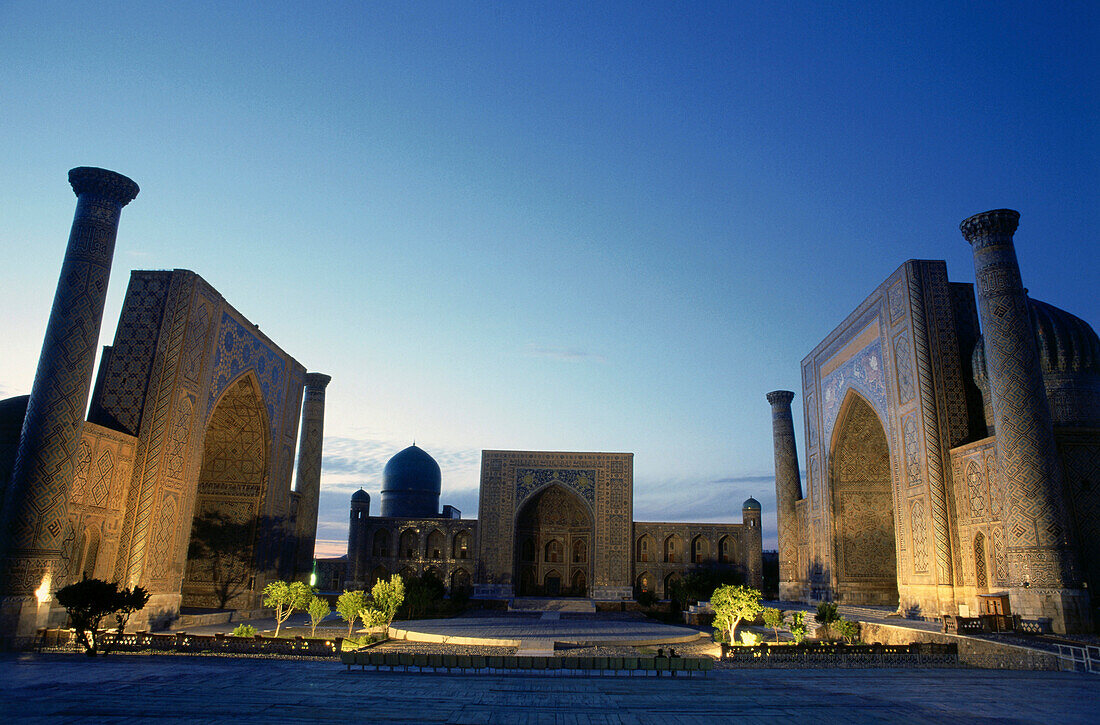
x,y
550,524
952,447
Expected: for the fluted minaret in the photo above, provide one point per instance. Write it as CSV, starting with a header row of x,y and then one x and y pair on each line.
x,y
1043,574
309,466
36,501
788,490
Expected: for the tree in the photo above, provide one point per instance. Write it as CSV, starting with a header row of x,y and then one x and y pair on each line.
x,y
848,629
285,598
423,594
88,601
773,618
348,606
731,604
387,597
127,601
798,626
826,616
318,609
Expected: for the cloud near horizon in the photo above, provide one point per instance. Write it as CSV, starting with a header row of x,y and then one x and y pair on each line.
x,y
565,354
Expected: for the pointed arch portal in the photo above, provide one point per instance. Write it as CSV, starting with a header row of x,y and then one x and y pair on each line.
x,y
863,508
551,523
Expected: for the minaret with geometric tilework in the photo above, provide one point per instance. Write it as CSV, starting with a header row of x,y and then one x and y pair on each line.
x,y
788,490
1043,574
36,501
309,467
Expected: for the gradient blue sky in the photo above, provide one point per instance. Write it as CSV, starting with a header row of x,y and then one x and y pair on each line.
x,y
586,226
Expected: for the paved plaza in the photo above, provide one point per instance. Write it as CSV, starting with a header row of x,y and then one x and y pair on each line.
x,y
511,630
120,688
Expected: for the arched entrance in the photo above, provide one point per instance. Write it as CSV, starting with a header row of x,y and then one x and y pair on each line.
x,y
553,525
222,557
865,570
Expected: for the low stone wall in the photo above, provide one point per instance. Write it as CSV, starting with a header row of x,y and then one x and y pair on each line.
x,y
181,642
833,656
973,652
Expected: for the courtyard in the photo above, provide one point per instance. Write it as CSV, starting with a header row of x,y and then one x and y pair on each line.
x,y
42,688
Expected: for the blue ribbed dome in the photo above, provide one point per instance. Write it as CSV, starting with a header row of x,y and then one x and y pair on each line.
x,y
360,496
410,485
751,503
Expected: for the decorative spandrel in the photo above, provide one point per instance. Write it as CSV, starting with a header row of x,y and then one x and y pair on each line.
x,y
582,481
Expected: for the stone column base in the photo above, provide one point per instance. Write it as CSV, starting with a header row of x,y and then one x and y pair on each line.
x,y
1067,609
20,618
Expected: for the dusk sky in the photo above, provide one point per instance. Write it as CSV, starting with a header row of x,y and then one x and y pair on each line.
x,y
560,226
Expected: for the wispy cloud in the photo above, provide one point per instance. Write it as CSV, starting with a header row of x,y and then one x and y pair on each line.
x,y
565,354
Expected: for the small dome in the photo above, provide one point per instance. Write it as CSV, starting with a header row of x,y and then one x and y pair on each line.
x,y
751,503
360,496
411,482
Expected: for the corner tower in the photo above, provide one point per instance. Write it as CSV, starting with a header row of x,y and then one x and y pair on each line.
x,y
36,501
1044,579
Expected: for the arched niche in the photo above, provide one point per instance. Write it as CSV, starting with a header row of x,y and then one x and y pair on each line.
x,y
224,557
861,496
549,526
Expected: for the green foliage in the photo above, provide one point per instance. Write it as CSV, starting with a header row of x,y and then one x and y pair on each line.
x,y
697,585
244,630
731,604
318,609
285,597
348,606
827,616
387,596
848,629
89,601
774,619
749,639
423,594
372,618
798,626
647,599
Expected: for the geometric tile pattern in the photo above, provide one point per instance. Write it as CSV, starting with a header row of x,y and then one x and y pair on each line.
x,y
35,509
788,488
1026,452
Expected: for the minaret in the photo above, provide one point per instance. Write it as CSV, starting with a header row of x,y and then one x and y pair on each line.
x,y
357,542
788,491
1043,574
309,466
36,502
752,543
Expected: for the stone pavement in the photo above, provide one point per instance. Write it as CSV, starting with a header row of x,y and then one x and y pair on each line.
x,y
72,689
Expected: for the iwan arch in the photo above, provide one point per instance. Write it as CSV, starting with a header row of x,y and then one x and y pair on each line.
x,y
952,442
194,411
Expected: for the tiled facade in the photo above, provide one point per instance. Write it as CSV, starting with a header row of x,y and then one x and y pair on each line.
x,y
909,500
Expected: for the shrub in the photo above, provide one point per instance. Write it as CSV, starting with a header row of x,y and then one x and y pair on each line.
x,y
848,630
387,597
749,639
244,630
647,599
827,616
798,626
